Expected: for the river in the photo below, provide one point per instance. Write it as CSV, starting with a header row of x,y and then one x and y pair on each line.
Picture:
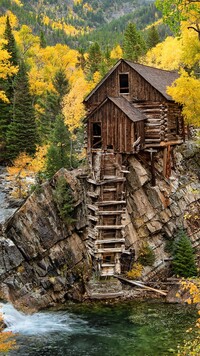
x,y
130,329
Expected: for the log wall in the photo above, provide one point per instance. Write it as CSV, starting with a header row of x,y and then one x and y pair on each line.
x,y
118,132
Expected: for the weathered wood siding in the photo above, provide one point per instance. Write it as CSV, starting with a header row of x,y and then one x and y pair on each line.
x,y
117,130
139,89
164,122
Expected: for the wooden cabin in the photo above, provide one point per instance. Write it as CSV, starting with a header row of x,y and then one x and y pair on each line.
x,y
143,89
129,111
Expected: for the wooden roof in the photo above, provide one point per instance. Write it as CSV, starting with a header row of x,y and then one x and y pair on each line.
x,y
157,78
160,79
125,106
128,109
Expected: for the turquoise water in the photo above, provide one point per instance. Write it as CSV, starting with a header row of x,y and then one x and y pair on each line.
x,y
131,329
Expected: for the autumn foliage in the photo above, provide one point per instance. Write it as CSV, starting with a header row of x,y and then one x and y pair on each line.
x,y
7,341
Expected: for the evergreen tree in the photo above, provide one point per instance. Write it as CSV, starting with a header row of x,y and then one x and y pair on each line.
x,y
43,42
133,45
61,85
152,37
184,262
94,59
21,134
58,154
52,105
6,109
10,44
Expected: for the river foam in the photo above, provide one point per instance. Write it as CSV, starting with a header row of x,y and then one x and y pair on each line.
x,y
39,323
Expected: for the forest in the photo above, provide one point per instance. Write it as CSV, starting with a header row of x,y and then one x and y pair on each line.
x,y
50,60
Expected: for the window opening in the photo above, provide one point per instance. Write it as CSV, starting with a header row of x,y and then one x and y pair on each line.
x,y
96,135
123,83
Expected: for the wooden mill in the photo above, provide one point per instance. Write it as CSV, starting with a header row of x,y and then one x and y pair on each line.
x,y
129,112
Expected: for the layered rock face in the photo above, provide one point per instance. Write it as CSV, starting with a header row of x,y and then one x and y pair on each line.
x,y
155,213
43,260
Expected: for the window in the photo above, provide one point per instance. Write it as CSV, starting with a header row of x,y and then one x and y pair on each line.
x,y
123,83
96,135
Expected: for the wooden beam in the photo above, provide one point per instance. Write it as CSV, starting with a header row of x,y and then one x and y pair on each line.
x,y
107,212
109,249
92,207
110,227
138,284
110,241
111,202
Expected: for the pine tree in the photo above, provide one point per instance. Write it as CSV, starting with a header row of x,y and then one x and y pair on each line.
x,y
43,42
6,109
21,135
52,105
184,262
58,154
94,59
152,37
10,46
133,45
61,85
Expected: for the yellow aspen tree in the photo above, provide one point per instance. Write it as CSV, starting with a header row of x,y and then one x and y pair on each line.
x,y
116,53
186,91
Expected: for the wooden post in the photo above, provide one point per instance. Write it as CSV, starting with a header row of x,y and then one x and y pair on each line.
x,y
153,176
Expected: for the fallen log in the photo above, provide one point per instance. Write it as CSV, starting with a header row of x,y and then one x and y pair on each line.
x,y
141,285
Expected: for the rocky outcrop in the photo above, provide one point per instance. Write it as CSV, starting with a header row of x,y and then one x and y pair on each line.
x,y
44,260
155,213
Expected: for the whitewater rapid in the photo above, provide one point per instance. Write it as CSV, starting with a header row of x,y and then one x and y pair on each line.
x,y
41,322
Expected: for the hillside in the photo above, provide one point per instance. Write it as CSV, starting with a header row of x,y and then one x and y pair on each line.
x,y
75,22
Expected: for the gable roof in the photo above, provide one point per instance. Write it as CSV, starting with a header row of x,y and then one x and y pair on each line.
x,y
157,78
125,106
160,79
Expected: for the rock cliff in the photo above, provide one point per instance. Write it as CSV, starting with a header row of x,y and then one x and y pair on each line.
x,y
155,213
44,261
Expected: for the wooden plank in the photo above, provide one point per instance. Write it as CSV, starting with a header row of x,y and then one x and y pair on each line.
x,y
109,249
110,227
114,212
141,285
111,202
110,241
92,207
113,180
93,218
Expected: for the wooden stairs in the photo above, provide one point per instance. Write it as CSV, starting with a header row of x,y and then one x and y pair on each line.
x,y
106,201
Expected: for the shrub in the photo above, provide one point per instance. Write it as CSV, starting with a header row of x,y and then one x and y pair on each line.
x,y
146,255
135,272
183,264
64,199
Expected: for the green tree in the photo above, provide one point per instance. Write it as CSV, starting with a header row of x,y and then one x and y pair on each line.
x,y
152,37
94,59
21,134
133,45
10,44
6,109
175,11
58,154
183,262
52,105
43,42
64,199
